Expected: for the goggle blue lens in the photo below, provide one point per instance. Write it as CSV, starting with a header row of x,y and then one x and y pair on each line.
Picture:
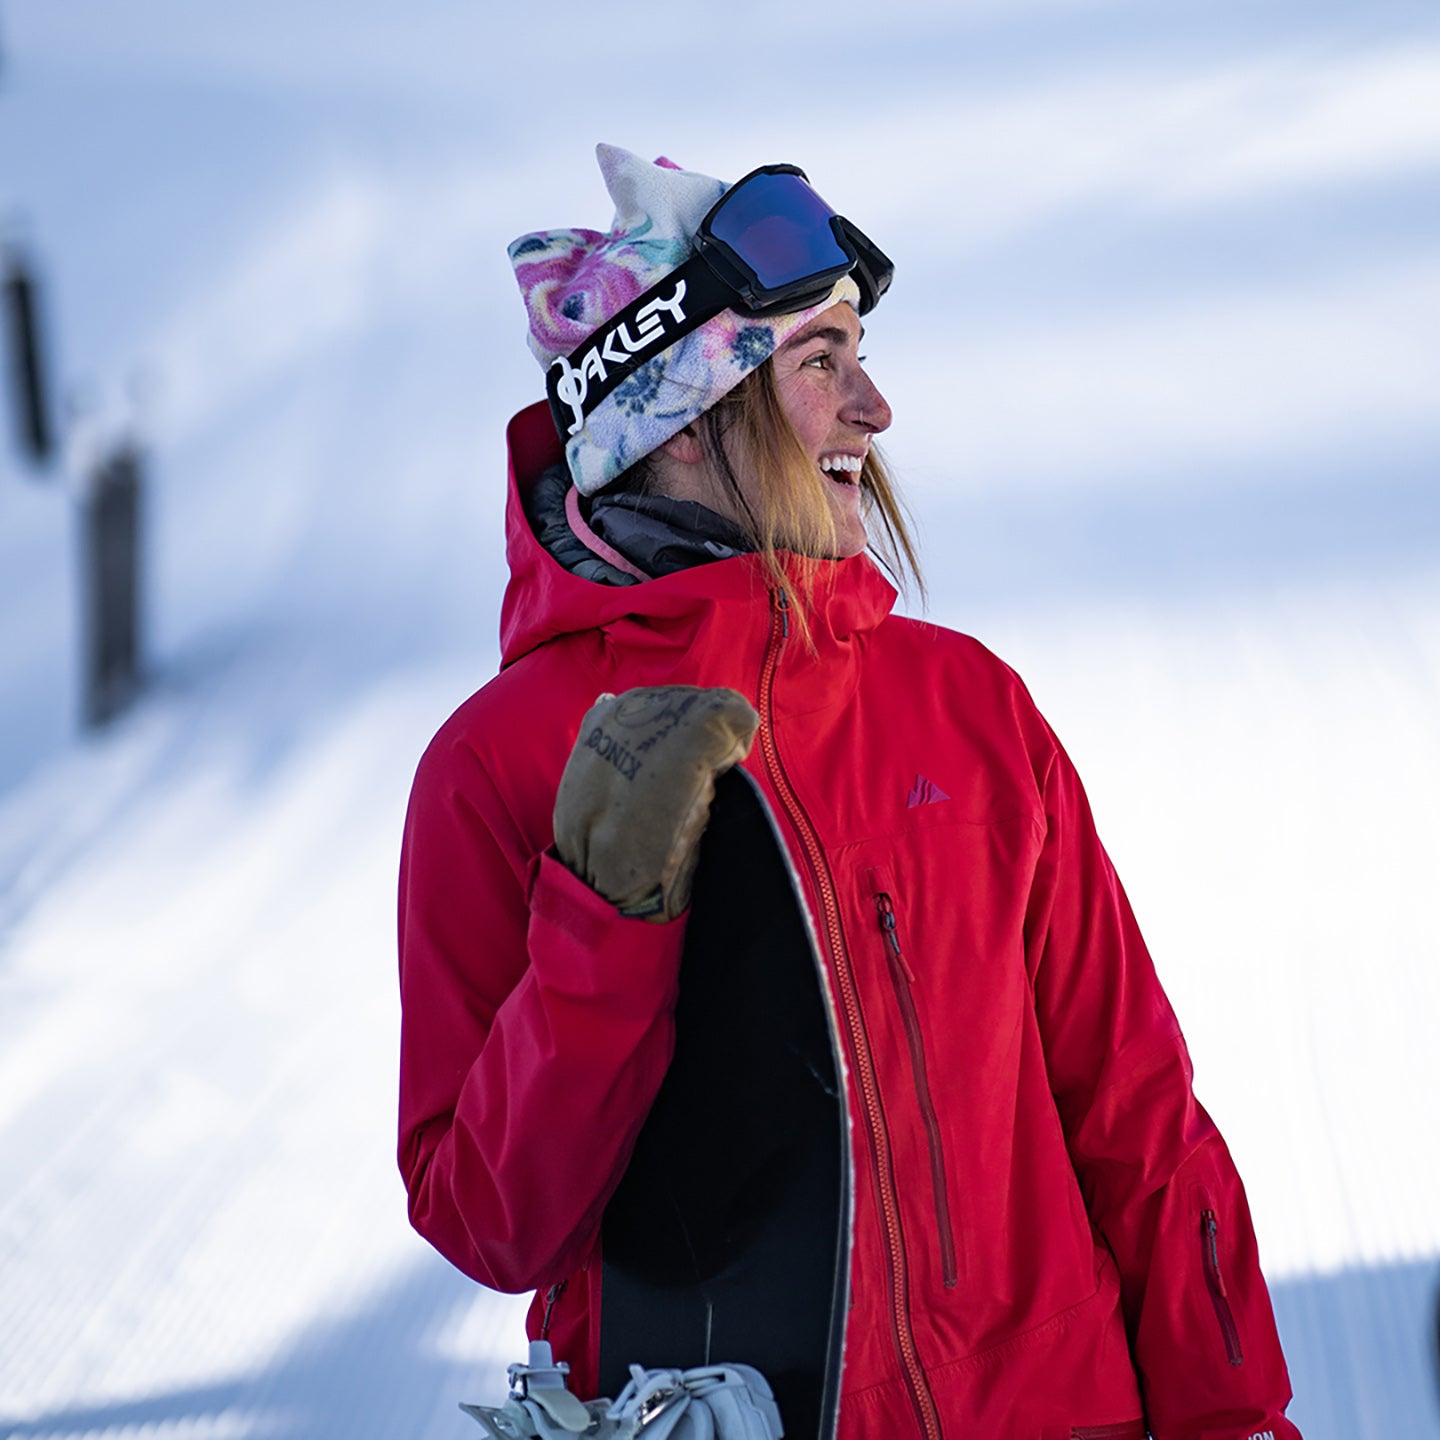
x,y
780,228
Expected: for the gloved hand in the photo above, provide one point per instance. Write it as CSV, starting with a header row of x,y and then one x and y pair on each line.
x,y
636,791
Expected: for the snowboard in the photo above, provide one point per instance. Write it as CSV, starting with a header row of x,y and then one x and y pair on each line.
x,y
728,1238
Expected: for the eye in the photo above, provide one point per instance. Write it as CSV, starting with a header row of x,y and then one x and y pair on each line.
x,y
821,359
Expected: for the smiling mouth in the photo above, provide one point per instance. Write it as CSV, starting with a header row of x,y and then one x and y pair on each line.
x,y
842,469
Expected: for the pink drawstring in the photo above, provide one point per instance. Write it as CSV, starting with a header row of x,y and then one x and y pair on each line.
x,y
591,541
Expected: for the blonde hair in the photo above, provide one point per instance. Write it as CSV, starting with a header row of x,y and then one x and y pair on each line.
x,y
749,427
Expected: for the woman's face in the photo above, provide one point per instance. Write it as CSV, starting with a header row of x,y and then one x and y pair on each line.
x,y
834,408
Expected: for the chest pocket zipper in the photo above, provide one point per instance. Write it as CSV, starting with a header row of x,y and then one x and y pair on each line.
x,y
902,978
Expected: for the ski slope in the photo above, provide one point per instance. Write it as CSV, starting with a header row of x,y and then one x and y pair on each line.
x,y
1164,354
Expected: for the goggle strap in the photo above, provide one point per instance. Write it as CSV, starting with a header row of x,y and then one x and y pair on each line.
x,y
578,383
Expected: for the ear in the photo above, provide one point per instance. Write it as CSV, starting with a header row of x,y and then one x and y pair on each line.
x,y
684,447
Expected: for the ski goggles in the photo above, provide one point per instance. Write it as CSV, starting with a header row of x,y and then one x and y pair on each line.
x,y
768,246
781,248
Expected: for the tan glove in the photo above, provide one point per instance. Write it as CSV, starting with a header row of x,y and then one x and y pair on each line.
x,y
636,791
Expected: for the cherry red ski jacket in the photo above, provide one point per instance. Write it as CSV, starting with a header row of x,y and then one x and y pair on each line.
x,y
1050,1237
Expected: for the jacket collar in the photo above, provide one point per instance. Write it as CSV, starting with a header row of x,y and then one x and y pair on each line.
x,y
543,600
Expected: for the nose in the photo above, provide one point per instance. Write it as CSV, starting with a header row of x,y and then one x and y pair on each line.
x,y
867,407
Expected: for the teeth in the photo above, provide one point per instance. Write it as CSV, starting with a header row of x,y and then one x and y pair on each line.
x,y
852,463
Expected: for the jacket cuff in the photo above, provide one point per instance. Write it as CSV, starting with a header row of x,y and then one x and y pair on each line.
x,y
581,944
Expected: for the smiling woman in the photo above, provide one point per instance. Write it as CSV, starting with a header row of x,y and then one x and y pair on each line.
x,y
1050,1240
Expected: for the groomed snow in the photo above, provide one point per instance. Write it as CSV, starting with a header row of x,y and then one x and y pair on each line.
x,y
1164,349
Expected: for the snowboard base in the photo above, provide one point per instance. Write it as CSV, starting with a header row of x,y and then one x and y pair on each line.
x,y
728,1238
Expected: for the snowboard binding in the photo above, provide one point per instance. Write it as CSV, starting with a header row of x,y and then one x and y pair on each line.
x,y
711,1402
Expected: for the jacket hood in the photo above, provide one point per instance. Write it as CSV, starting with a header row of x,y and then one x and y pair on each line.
x,y
543,600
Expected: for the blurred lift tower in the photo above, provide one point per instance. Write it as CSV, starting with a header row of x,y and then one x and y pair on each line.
x,y
110,493
111,488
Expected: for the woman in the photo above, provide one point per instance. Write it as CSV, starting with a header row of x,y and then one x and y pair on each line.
x,y
1050,1237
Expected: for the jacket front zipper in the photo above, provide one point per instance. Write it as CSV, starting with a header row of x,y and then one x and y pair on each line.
x,y
1215,1283
902,978
551,1296
866,1083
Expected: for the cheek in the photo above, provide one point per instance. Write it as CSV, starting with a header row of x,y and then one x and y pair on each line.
x,y
809,415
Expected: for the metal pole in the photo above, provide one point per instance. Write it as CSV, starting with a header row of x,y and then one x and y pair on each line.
x,y
29,392
110,580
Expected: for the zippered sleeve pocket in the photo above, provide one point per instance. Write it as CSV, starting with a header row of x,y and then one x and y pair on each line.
x,y
902,979
1211,1256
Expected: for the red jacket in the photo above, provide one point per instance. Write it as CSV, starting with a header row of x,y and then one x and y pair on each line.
x,y
1050,1236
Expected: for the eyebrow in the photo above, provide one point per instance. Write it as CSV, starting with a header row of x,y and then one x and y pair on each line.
x,y
833,333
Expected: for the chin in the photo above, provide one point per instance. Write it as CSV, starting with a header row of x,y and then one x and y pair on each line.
x,y
846,504
851,537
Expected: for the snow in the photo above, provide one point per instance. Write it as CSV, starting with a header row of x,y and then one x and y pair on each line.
x,y
1163,349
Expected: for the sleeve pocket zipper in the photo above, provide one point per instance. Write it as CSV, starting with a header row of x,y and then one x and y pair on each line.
x,y
901,978
1215,1283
